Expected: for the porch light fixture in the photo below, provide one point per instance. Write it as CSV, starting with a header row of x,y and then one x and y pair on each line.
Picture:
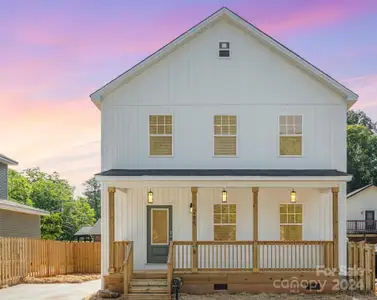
x,y
224,198
293,196
190,208
150,196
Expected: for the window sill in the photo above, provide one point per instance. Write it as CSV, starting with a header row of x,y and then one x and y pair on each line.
x,y
290,156
160,156
225,156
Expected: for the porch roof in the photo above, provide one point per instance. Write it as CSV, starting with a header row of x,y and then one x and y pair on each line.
x,y
224,172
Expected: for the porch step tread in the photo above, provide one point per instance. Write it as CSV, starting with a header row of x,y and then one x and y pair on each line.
x,y
148,297
150,274
149,282
149,289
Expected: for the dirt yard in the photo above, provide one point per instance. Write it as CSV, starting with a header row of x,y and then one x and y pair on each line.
x,y
263,296
72,278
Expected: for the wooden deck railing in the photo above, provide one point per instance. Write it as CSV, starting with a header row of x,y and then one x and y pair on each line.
x,y
238,255
170,265
120,249
361,227
128,266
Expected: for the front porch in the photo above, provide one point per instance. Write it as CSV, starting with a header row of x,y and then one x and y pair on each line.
x,y
235,264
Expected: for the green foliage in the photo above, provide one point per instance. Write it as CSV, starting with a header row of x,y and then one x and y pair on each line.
x,y
358,117
361,156
19,188
51,226
76,214
93,194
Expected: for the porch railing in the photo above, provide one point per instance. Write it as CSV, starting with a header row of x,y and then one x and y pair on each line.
x,y
361,226
128,267
120,249
170,265
238,255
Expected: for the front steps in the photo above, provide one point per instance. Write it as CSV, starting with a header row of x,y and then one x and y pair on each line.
x,y
148,285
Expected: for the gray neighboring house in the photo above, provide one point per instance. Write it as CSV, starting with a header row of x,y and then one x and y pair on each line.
x,y
16,220
89,233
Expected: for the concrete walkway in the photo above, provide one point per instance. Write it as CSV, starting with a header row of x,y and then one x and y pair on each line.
x,y
54,291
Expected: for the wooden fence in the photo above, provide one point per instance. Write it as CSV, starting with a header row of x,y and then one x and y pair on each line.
x,y
361,263
22,257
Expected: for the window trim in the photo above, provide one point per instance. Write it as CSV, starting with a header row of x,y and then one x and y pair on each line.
x,y
221,224
214,135
218,50
302,136
172,137
302,222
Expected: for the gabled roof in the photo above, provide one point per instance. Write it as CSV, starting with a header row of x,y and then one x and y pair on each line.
x,y
7,160
224,12
83,231
21,208
355,192
96,229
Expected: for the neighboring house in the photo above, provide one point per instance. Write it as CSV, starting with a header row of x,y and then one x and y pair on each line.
x,y
227,152
362,214
89,233
16,220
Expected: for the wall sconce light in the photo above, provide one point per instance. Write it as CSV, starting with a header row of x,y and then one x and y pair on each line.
x,y
190,208
150,196
293,196
224,198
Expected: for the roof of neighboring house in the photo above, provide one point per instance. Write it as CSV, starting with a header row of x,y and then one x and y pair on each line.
x,y
96,229
221,172
84,231
7,160
355,192
223,13
21,208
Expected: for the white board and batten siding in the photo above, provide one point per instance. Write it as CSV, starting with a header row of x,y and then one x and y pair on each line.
x,y
131,216
192,84
361,202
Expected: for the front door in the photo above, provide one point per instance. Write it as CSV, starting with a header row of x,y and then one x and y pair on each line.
x,y
159,233
369,218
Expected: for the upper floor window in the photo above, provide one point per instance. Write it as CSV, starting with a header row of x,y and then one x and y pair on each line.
x,y
291,222
224,222
290,135
225,136
224,49
160,135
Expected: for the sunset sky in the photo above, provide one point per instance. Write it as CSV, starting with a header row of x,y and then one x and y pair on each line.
x,y
53,54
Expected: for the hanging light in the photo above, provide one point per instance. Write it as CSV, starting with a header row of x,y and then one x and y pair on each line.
x,y
150,196
224,198
190,208
293,196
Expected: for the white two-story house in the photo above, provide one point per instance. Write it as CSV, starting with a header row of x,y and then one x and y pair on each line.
x,y
223,163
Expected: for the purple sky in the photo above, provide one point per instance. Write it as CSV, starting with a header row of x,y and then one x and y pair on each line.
x,y
55,53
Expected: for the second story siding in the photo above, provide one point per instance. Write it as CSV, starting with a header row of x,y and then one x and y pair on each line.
x,y
193,85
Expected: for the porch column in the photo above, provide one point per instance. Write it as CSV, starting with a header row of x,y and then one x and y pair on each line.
x,y
194,248
111,191
335,223
255,229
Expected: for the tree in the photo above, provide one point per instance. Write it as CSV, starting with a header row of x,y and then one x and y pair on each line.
x,y
93,194
19,188
76,214
358,117
48,191
361,156
51,226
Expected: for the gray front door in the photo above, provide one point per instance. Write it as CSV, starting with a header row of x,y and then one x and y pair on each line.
x,y
159,232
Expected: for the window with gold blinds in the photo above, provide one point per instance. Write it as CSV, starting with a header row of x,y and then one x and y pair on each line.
x,y
225,135
224,219
290,135
160,135
291,222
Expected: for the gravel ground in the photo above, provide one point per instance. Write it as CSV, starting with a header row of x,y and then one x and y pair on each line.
x,y
264,296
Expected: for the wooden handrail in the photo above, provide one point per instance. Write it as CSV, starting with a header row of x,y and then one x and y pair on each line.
x,y
170,265
128,266
120,248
